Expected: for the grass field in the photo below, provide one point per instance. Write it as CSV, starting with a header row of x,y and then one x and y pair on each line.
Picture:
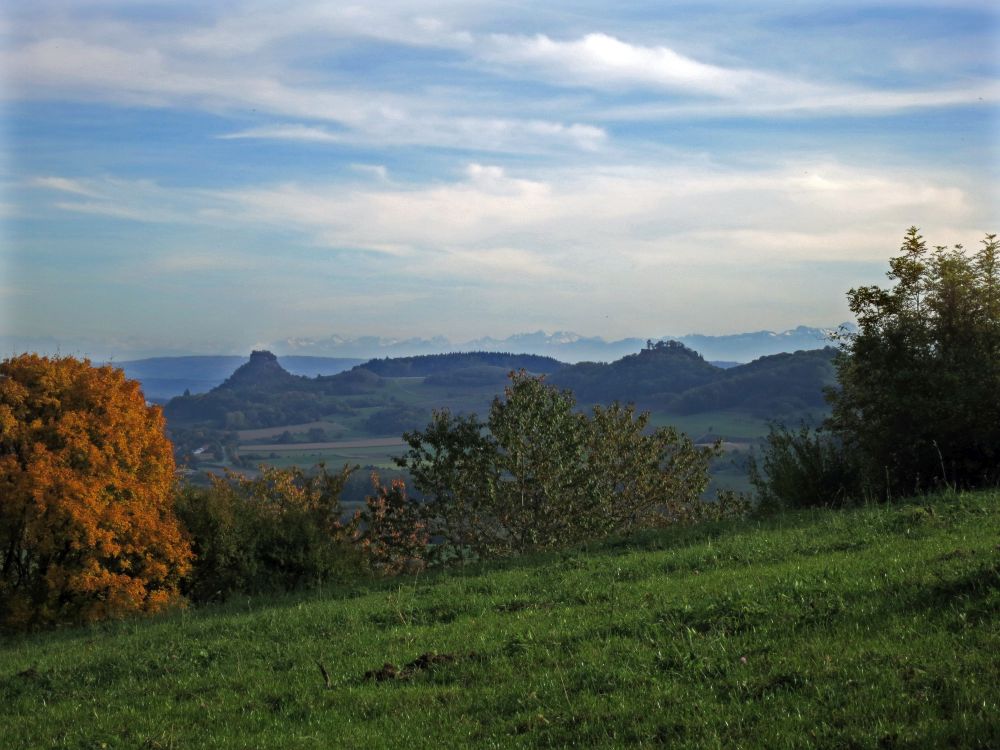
x,y
270,432
871,628
377,457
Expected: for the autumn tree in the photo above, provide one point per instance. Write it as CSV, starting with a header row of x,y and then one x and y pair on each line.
x,y
394,537
87,528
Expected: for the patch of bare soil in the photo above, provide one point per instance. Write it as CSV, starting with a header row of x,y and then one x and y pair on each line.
x,y
425,661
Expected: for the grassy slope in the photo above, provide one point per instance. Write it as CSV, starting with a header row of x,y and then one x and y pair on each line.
x,y
870,628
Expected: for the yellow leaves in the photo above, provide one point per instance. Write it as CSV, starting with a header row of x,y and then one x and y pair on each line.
x,y
87,475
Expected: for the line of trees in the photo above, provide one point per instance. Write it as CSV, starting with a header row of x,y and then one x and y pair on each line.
x,y
93,526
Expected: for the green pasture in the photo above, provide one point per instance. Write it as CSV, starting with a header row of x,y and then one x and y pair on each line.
x,y
869,628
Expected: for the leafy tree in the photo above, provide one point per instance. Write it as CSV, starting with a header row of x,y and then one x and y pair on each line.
x,y
917,402
87,527
642,477
916,405
538,474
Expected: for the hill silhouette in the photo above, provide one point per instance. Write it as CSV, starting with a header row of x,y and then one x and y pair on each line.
x,y
670,376
438,364
666,376
261,371
654,375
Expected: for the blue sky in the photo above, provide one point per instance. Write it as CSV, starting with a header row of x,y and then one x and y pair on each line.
x,y
210,176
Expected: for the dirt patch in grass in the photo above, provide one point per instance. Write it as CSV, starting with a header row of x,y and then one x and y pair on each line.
x,y
422,663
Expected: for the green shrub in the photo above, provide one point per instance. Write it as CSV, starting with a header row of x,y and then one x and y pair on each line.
x,y
804,469
277,532
540,475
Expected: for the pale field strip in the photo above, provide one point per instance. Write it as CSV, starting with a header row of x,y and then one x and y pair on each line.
x,y
264,432
393,442
384,442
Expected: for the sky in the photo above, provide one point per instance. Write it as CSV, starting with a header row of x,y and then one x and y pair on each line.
x,y
206,176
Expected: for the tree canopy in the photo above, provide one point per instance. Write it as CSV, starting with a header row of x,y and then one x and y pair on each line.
x,y
919,381
87,528
916,404
538,474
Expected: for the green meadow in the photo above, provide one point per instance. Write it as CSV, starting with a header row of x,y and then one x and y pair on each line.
x,y
869,628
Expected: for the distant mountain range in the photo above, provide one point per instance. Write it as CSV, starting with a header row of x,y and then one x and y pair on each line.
x,y
296,353
569,347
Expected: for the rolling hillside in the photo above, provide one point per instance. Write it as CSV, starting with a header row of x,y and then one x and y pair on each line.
x,y
666,376
871,628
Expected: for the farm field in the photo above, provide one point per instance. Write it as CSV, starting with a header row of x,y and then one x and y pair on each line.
x,y
262,433
377,452
385,442
867,628
741,431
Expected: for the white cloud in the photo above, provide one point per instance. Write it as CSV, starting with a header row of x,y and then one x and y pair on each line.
x,y
588,225
602,60
266,61
286,133
378,171
582,220
830,102
119,71
560,247
65,185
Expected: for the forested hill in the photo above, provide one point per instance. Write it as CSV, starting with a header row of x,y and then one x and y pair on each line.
x,y
657,374
438,364
163,378
262,371
666,376
773,385
261,393
673,377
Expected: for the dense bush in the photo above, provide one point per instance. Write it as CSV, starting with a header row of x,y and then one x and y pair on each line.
x,y
282,530
87,529
804,469
538,474
393,535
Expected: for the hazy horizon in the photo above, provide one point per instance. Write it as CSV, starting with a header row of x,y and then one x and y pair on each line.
x,y
568,346
175,173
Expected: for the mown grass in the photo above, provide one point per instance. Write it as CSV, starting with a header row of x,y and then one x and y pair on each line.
x,y
870,628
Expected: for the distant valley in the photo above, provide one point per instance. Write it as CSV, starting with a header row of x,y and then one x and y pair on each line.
x,y
264,413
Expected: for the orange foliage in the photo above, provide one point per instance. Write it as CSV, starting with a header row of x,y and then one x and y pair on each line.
x,y
395,538
87,528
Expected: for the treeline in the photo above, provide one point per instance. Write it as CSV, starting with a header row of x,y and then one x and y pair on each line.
x,y
437,364
261,393
667,376
93,526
